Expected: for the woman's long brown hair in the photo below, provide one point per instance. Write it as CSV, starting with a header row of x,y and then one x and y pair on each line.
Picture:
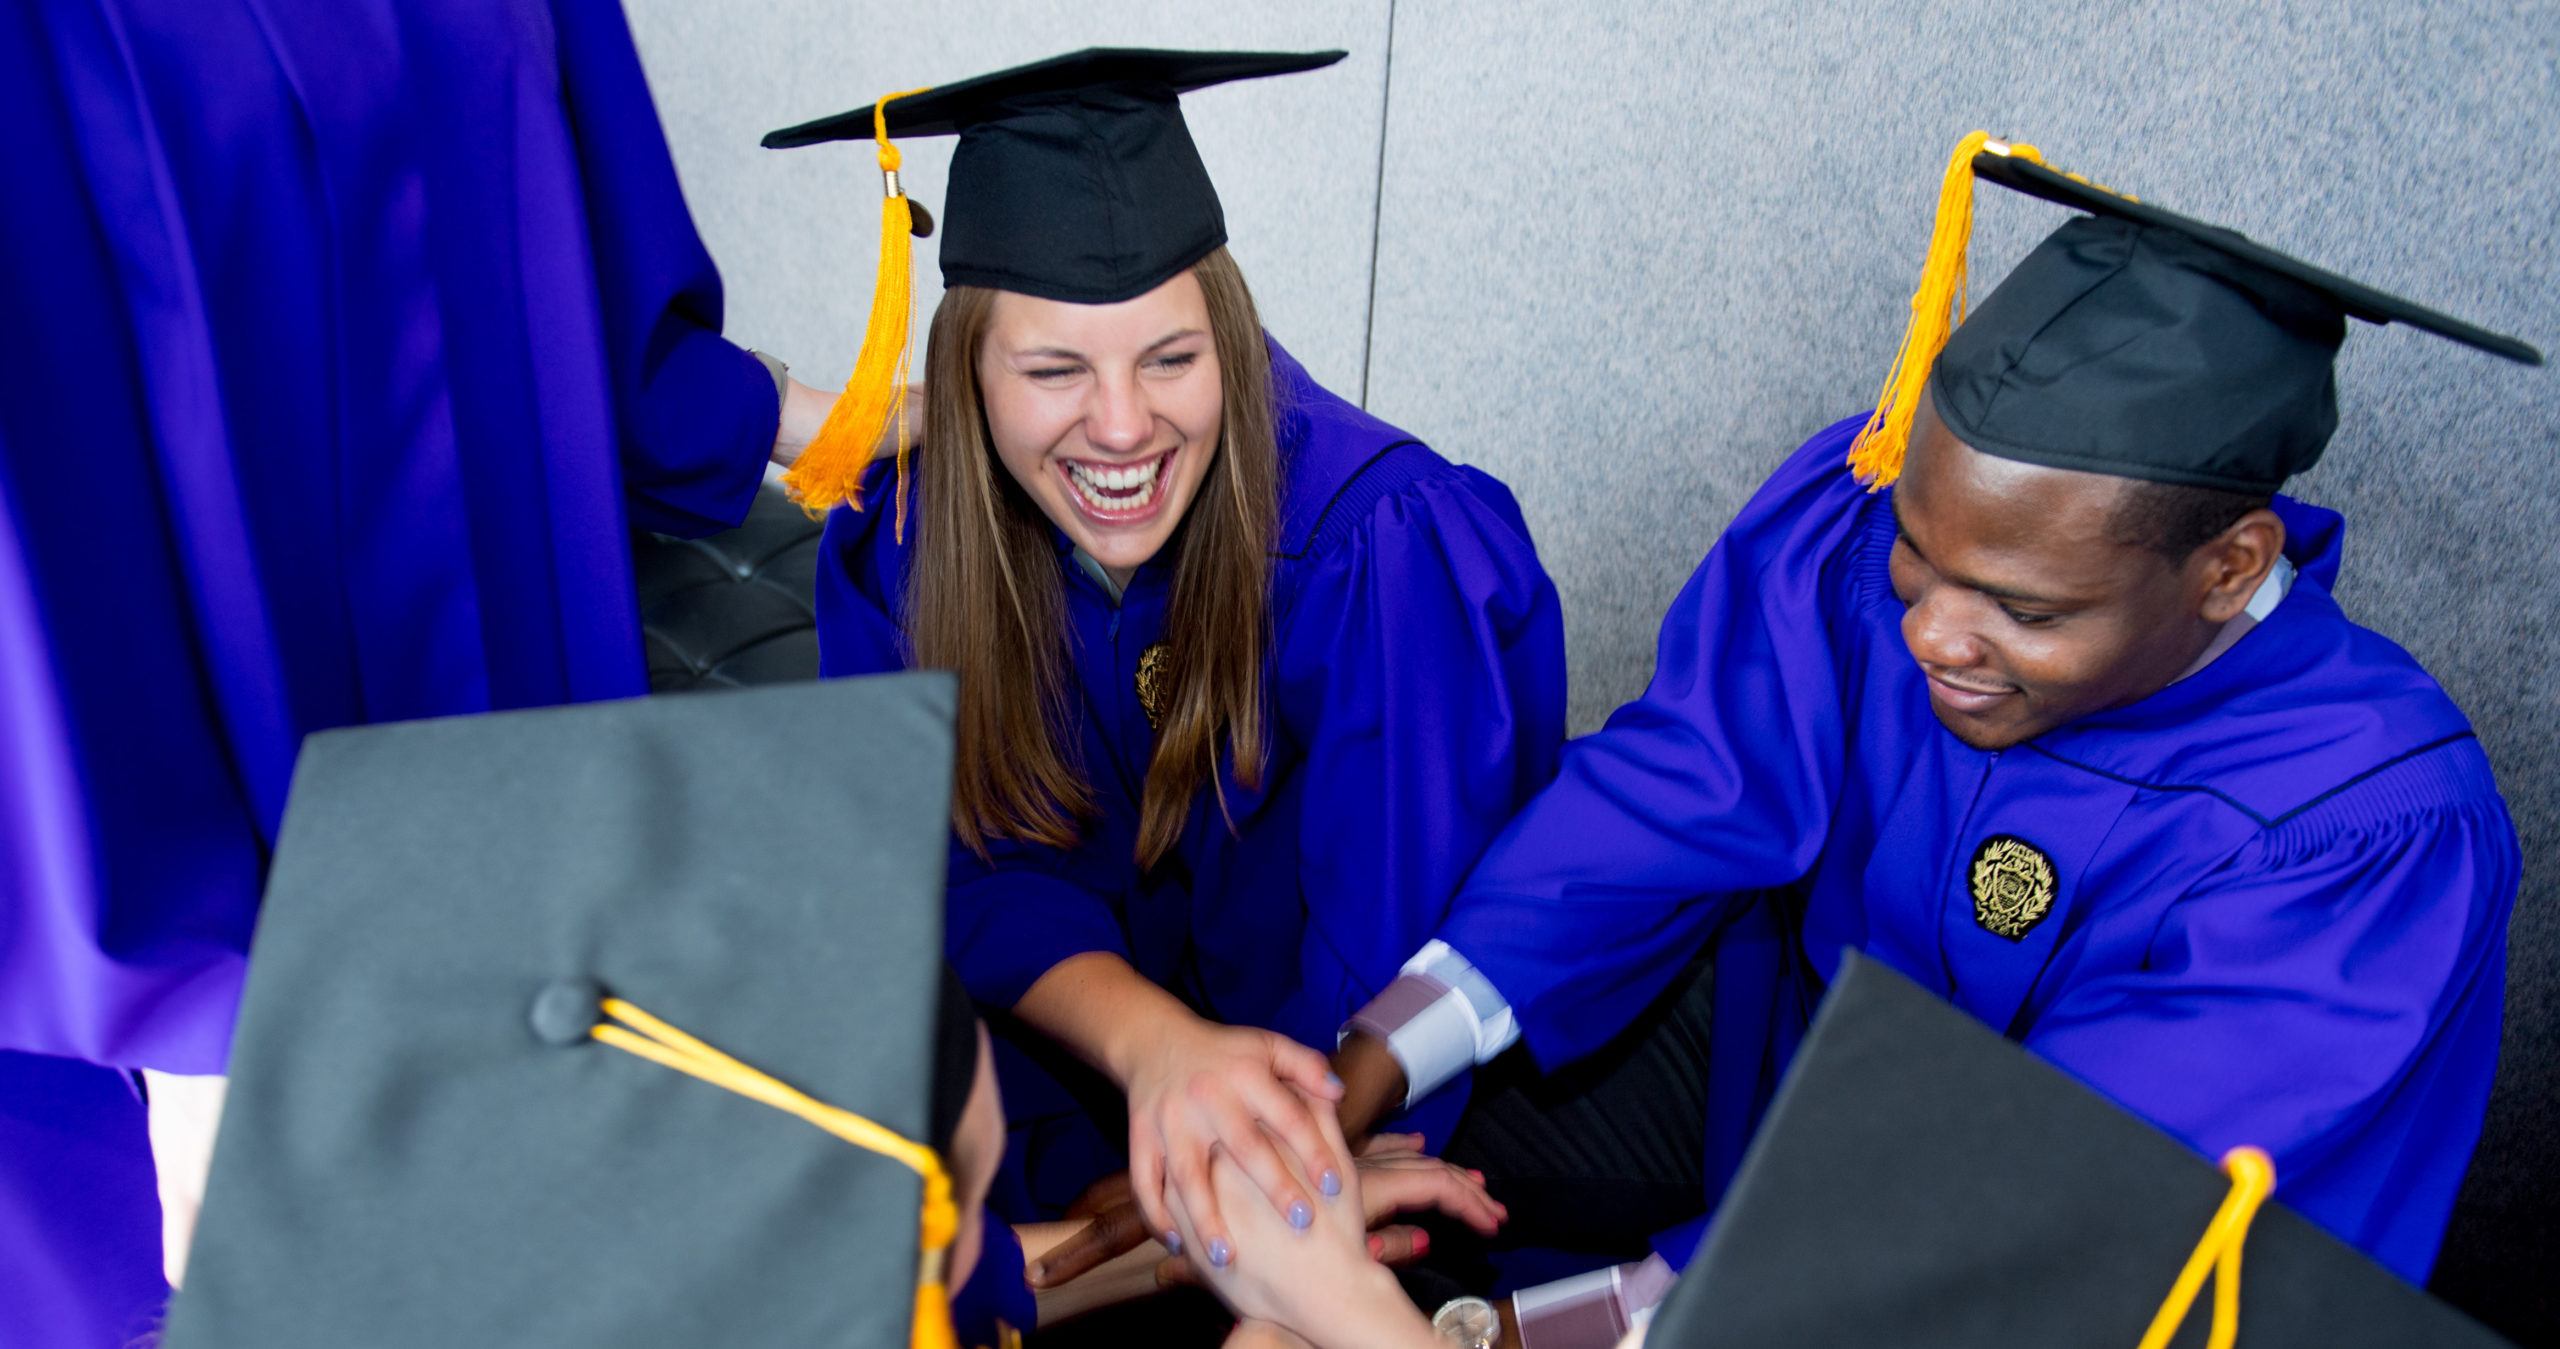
x,y
985,596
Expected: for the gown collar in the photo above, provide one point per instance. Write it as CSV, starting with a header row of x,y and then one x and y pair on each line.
x,y
1086,563
2262,602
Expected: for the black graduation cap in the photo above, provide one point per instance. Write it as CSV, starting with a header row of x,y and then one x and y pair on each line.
x,y
2133,341
434,1134
1075,179
1921,1181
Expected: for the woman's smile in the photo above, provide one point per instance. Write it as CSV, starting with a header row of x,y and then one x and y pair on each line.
x,y
1118,493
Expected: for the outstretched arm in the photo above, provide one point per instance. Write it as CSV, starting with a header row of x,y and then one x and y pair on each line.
x,y
1721,780
1192,1085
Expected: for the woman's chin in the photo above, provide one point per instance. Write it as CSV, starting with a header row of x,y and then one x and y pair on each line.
x,y
1121,549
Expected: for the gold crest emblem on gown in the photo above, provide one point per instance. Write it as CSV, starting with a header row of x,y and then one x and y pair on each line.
x,y
1155,683
2013,885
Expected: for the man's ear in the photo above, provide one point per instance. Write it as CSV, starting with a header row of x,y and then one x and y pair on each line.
x,y
2230,567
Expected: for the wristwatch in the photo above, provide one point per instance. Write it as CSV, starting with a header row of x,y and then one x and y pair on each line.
x,y
1467,1322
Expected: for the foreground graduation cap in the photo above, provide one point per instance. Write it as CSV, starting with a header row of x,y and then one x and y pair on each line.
x,y
2134,341
1075,179
1922,1182
425,1145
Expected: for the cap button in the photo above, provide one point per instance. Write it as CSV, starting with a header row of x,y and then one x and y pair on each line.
x,y
565,1010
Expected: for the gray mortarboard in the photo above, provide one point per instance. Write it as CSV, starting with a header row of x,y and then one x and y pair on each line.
x,y
426,1142
1075,179
2133,341
1921,1182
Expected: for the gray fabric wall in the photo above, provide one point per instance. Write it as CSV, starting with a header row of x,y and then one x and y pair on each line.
x,y
1626,256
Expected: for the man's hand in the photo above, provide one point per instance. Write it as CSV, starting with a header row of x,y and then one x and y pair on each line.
x,y
1373,1082
1114,1228
1396,1177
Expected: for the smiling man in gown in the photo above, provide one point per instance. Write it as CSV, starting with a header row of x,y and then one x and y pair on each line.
x,y
2058,717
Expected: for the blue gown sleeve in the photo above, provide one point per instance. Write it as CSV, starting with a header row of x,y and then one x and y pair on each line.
x,y
1719,781
1420,663
1012,916
696,414
2332,995
1008,917
995,1298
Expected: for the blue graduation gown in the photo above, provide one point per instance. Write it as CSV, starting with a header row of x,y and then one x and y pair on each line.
x,y
1417,679
361,323
2282,884
345,332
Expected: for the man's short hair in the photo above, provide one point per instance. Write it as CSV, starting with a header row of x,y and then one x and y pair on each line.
x,y
2174,520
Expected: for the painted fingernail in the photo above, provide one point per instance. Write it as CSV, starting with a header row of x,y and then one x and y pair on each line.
x,y
1218,1252
1377,1247
1421,1242
1479,1175
1300,1216
1335,1079
1173,1243
1330,1183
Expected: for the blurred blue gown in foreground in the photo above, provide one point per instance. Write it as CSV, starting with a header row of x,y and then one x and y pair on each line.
x,y
351,339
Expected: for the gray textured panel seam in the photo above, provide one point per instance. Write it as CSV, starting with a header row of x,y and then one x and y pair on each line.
x,y
1378,207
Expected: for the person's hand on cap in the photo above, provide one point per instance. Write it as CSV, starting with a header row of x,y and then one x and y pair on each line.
x,y
804,412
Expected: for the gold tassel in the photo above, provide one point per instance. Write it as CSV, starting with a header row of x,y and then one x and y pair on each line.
x,y
932,1327
1936,308
2217,1256
830,470
627,1028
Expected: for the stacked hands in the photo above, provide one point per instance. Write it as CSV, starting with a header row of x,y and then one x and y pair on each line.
x,y
1240,1169
1315,1284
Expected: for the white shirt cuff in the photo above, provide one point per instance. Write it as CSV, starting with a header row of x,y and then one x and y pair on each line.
x,y
1439,1017
1591,1311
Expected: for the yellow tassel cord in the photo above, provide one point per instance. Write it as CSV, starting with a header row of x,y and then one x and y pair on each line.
x,y
830,470
660,1043
2253,1176
1936,308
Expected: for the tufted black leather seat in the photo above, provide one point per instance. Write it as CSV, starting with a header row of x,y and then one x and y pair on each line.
x,y
734,609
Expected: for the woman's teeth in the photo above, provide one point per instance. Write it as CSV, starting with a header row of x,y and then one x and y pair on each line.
x,y
1117,489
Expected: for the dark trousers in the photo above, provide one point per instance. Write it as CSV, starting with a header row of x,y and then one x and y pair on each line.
x,y
1591,1159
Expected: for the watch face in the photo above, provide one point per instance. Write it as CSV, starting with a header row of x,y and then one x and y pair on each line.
x,y
1468,1321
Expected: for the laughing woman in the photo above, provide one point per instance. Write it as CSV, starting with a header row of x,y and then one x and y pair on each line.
x,y
1248,677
